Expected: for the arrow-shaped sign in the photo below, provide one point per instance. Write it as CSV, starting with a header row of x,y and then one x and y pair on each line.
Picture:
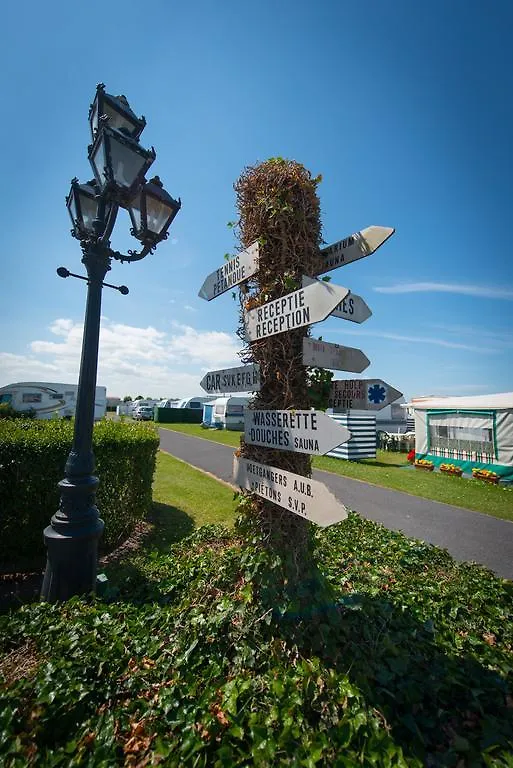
x,y
302,307
361,394
245,378
305,497
297,431
232,272
335,357
351,308
352,248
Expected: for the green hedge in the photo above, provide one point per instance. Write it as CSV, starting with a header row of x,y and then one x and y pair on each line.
x,y
32,459
179,415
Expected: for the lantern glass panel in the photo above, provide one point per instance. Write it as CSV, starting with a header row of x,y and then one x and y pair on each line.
x,y
88,206
100,161
135,213
94,118
118,120
157,214
126,164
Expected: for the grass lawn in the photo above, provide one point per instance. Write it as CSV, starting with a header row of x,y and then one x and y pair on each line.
x,y
388,471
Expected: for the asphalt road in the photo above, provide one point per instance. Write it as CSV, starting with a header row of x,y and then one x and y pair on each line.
x,y
467,535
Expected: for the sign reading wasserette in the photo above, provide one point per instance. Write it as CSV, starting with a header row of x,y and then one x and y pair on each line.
x,y
246,378
361,394
302,307
335,357
351,308
232,272
297,431
352,248
305,497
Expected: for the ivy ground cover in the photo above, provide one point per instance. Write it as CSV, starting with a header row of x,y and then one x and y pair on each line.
x,y
391,655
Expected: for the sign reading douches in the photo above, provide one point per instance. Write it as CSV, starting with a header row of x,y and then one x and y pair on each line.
x,y
299,431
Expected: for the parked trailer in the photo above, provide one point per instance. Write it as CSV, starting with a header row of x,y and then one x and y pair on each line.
x,y
49,400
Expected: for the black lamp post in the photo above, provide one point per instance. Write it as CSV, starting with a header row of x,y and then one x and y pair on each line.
x,y
119,165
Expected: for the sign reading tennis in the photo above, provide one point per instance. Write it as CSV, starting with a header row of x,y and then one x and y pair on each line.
x,y
232,272
302,495
297,431
302,307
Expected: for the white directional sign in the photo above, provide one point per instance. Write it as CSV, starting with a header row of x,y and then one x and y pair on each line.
x,y
231,273
302,307
245,378
351,308
352,248
305,497
361,394
322,354
297,431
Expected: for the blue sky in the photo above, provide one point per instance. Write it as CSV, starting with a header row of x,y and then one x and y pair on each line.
x,y
404,108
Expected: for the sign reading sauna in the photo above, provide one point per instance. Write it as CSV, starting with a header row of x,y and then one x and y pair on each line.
x,y
297,431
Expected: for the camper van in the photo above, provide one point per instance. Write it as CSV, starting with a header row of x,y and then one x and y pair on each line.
x,y
49,400
193,402
225,413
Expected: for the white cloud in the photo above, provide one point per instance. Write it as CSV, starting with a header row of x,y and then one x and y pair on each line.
x,y
189,308
418,340
131,360
483,291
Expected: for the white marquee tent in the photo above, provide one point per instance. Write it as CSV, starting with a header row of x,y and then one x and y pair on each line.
x,y
467,431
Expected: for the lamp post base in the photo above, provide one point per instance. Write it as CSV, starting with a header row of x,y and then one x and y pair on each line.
x,y
71,564
72,542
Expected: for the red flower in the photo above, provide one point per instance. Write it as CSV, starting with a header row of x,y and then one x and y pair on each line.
x,y
411,456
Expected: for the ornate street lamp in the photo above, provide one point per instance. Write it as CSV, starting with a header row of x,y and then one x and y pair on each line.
x,y
119,164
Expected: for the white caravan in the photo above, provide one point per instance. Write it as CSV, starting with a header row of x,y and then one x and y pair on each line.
x,y
49,400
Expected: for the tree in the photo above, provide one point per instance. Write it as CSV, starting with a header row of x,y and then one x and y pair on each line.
x,y
127,399
139,397
278,206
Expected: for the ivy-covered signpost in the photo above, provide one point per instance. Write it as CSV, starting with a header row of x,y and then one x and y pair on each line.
x,y
278,206
280,236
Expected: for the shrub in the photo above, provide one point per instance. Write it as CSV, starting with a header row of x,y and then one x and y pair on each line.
x,y
32,459
8,412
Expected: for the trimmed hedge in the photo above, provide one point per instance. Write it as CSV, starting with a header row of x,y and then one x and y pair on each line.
x,y
32,459
179,415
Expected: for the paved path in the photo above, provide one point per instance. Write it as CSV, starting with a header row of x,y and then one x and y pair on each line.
x,y
467,535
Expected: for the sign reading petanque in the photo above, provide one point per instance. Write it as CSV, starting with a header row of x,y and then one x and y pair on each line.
x,y
245,378
361,394
352,248
232,272
302,307
297,431
351,308
335,357
305,497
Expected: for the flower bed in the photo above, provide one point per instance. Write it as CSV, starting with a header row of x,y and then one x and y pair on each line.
x,y
451,469
485,474
424,464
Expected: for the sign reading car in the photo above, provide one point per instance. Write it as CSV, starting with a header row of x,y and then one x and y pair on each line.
x,y
245,378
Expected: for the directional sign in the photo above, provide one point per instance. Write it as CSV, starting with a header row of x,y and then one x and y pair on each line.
x,y
361,394
246,378
322,354
351,308
231,273
352,248
297,431
305,497
302,307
